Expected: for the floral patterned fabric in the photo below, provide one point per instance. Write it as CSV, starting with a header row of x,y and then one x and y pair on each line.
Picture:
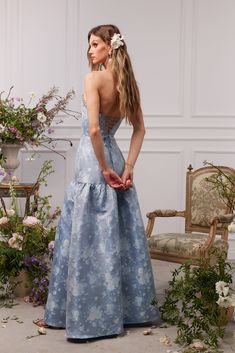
x,y
102,276
206,202
182,244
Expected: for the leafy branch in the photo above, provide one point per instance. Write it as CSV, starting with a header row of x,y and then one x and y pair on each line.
x,y
224,183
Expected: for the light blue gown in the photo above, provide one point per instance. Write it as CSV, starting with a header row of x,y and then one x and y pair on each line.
x,y
101,275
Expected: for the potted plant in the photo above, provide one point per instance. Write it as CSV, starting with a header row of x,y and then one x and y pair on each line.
x,y
26,125
199,301
26,243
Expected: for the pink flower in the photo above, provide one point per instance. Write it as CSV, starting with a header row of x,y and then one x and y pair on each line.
x,y
30,221
16,241
4,221
56,213
51,246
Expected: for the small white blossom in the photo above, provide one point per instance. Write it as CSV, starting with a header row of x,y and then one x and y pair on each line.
x,y
198,345
165,340
30,159
41,117
117,41
222,288
224,302
231,228
42,331
10,212
2,128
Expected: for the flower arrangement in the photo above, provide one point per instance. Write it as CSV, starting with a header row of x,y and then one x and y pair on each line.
x,y
26,243
198,300
23,124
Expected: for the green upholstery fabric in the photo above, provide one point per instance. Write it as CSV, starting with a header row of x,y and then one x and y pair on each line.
x,y
181,244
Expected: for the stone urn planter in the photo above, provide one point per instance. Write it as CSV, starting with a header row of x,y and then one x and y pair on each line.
x,y
10,152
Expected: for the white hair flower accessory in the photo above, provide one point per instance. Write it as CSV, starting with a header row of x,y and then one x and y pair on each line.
x,y
117,41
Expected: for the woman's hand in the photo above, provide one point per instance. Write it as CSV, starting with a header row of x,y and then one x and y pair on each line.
x,y
113,179
127,176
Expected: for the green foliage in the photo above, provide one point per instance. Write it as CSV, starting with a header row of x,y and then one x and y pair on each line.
x,y
191,301
24,240
224,183
21,123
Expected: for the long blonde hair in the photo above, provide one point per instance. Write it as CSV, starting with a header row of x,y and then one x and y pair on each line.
x,y
120,64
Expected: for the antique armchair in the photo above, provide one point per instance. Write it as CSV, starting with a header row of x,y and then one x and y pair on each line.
x,y
206,221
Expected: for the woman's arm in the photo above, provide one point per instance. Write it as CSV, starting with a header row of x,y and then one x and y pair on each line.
x,y
93,108
134,149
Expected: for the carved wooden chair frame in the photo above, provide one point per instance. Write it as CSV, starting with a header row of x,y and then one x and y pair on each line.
x,y
218,226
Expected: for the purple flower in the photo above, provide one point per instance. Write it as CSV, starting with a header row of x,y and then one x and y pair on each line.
x,y
50,131
36,281
35,260
44,281
27,261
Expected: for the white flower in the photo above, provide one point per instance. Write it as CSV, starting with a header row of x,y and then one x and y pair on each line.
x,y
31,158
224,302
10,212
41,117
31,221
42,331
165,340
231,228
222,288
4,221
198,345
2,128
117,41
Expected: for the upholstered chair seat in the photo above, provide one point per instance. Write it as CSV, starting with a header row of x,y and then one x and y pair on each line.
x,y
206,221
181,245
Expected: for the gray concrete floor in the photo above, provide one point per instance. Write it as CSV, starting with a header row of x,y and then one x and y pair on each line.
x,y
13,333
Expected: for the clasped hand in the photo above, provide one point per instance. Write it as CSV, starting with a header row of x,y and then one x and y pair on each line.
x,y
115,181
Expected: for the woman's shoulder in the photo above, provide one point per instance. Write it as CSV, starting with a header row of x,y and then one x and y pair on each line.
x,y
95,77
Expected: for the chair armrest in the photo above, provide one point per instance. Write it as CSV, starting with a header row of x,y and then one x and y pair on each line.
x,y
226,218
160,213
165,213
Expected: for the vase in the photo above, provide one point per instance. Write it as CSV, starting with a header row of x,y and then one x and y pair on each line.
x,y
11,163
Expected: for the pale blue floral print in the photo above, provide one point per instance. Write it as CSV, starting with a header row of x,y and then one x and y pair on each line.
x,y
101,276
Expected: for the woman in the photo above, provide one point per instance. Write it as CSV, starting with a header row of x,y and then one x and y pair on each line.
x,y
102,276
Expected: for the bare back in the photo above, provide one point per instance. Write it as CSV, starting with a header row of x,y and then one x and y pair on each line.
x,y
109,100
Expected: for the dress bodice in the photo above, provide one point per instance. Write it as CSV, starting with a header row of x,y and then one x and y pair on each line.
x,y
87,169
108,125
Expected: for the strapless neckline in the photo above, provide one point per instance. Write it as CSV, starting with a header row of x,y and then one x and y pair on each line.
x,y
100,113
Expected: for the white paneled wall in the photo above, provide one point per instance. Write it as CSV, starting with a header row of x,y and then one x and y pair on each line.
x,y
183,53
